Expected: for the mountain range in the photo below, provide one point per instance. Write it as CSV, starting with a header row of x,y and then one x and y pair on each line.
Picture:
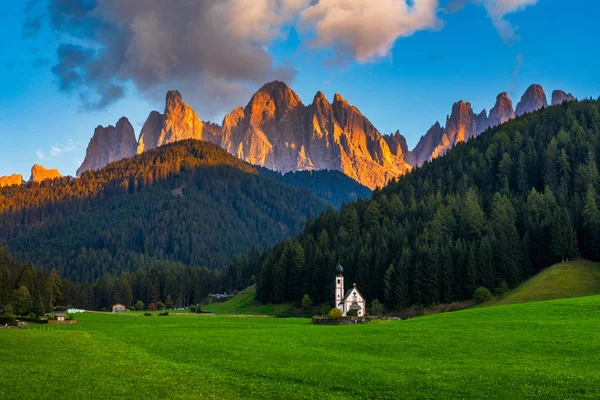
x,y
277,131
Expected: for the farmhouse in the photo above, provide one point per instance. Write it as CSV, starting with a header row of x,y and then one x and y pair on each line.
x,y
352,300
60,317
119,308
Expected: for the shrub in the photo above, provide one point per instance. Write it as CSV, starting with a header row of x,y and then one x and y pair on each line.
x,y
160,305
7,319
351,313
377,308
307,303
139,305
502,289
152,307
335,313
163,314
324,309
482,294
147,314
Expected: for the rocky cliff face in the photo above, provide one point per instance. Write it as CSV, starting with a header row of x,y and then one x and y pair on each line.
x,y
14,179
39,174
502,110
277,131
461,125
559,97
150,132
109,144
533,99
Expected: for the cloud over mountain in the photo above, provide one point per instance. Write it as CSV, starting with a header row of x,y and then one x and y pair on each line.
x,y
217,51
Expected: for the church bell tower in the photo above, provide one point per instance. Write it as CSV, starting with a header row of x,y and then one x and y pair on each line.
x,y
339,287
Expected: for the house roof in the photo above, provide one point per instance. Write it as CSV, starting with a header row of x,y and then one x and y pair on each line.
x,y
60,315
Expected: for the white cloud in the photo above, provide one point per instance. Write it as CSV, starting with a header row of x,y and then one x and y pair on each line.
x,y
39,154
366,29
58,150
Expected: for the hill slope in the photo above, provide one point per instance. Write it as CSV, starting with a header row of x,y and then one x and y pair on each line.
x,y
571,279
190,202
244,303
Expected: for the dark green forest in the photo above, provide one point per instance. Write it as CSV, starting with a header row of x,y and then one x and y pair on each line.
x,y
492,212
25,289
189,202
335,187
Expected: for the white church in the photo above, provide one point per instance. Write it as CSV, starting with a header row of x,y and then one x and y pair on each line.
x,y
351,300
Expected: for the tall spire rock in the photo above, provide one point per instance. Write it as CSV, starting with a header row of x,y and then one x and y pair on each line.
x,y
14,179
39,174
502,110
460,126
559,97
533,99
150,132
109,144
180,121
427,144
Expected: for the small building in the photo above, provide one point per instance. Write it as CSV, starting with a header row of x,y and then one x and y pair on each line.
x,y
60,317
352,300
119,308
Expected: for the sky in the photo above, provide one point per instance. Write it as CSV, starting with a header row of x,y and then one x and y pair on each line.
x,y
67,66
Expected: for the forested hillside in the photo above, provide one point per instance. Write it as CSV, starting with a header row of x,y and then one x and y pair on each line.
x,y
189,202
491,212
333,186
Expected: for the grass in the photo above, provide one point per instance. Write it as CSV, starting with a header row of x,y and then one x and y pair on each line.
x,y
565,280
535,350
245,304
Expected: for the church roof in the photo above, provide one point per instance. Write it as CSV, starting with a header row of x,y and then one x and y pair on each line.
x,y
350,291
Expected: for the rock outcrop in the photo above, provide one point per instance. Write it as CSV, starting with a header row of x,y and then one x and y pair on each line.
x,y
277,131
39,174
180,121
150,132
461,125
502,110
533,99
559,97
109,144
14,179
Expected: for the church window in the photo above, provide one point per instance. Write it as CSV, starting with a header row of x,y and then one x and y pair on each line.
x,y
338,281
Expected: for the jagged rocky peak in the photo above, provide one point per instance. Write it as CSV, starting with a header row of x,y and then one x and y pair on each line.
x,y
109,144
39,174
461,124
533,99
502,110
180,121
559,97
426,145
397,143
11,180
150,132
211,132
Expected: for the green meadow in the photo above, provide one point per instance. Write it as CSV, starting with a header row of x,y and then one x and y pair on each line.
x,y
548,349
245,304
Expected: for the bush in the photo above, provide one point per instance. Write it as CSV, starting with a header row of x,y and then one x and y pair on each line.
x,y
7,319
147,314
324,309
139,305
377,308
502,289
307,303
335,313
351,313
160,305
152,307
163,314
482,294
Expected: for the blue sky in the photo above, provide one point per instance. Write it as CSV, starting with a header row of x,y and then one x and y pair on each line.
x,y
464,56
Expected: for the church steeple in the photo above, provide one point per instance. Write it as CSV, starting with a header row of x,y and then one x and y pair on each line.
x,y
339,287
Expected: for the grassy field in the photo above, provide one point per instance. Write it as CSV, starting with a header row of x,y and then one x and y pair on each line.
x,y
244,304
535,350
561,281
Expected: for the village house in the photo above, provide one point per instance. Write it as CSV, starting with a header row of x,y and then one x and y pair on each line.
x,y
352,300
60,317
119,308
